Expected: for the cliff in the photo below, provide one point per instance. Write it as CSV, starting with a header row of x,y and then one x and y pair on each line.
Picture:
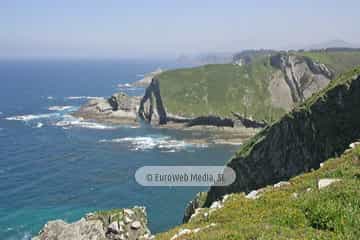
x,y
322,204
320,128
260,85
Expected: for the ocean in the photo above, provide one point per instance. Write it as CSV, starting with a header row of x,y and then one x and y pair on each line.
x,y
54,166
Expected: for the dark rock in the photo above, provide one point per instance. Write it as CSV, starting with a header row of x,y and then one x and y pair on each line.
x,y
149,108
211,121
249,123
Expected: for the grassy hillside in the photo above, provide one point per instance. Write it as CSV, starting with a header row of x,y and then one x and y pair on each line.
x,y
220,89
338,61
296,211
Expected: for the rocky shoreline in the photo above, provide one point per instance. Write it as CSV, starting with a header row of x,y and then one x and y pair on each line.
x,y
117,224
121,109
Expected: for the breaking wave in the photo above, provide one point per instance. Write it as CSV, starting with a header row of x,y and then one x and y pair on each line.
x,y
39,125
60,108
30,117
82,97
124,85
163,143
61,118
70,121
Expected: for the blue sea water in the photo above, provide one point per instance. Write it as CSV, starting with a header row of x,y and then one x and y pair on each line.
x,y
55,166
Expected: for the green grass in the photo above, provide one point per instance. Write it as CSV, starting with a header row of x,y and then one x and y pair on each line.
x,y
220,89
329,213
338,61
342,80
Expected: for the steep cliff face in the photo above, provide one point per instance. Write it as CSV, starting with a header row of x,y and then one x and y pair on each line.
x,y
151,105
300,75
320,128
263,86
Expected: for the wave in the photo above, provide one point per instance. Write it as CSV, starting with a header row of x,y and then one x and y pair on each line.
x,y
26,236
30,117
60,108
39,125
128,87
1,113
70,121
124,85
82,97
58,119
163,143
50,97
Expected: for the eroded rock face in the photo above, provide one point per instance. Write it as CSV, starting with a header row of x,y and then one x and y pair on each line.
x,y
100,226
121,101
299,142
194,204
119,108
151,107
301,78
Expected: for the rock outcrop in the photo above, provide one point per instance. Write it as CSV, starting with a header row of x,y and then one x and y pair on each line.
x,y
122,224
211,121
151,105
301,75
119,108
194,204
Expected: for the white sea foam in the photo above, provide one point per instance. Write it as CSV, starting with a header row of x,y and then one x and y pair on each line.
x,y
128,87
60,108
165,144
30,117
50,97
82,97
124,85
70,121
26,236
39,125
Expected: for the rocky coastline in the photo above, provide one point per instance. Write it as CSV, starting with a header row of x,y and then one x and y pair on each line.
x,y
117,224
122,109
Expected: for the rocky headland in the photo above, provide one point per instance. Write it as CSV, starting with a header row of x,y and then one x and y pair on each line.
x,y
321,128
118,224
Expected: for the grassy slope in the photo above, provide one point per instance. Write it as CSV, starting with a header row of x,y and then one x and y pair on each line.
x,y
220,89
337,61
343,79
330,213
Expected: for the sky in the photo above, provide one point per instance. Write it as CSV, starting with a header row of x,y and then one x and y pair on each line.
x,y
169,28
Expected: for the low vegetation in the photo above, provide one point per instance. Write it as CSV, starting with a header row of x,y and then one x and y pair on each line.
x,y
295,211
221,89
338,61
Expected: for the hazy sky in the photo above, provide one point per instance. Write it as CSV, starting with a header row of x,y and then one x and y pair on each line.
x,y
166,28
